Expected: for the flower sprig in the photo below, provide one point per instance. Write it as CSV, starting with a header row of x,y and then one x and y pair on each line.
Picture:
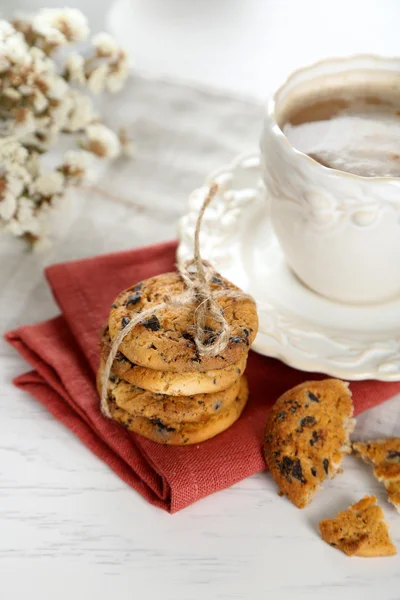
x,y
42,98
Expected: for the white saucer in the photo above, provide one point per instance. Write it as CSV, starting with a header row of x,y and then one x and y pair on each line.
x,y
299,327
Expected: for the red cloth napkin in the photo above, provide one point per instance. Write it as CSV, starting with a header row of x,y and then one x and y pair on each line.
x,y
64,353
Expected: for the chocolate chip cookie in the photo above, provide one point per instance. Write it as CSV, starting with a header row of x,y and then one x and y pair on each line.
x,y
164,341
142,403
181,433
306,434
168,382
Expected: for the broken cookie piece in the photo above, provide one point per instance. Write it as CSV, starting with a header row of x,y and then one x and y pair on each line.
x,y
384,454
306,435
359,531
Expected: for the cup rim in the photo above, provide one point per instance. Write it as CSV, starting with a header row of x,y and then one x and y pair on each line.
x,y
279,134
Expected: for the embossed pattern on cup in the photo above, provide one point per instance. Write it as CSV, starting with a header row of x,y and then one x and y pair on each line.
x,y
340,232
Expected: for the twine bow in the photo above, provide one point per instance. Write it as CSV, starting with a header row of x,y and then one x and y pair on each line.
x,y
198,291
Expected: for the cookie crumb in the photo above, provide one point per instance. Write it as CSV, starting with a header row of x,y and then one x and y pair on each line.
x,y
359,531
384,455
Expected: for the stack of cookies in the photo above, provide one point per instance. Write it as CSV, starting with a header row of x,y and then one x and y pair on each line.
x,y
159,385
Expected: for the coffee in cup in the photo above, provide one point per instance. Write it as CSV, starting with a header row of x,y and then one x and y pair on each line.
x,y
354,129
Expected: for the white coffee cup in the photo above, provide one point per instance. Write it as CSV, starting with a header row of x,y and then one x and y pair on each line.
x,y
340,232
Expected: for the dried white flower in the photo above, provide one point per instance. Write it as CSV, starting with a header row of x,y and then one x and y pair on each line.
x,y
26,216
8,205
10,188
32,165
52,36
97,78
14,227
6,29
75,68
12,94
12,152
127,147
15,185
103,142
38,103
19,172
13,46
117,77
26,90
49,184
24,123
76,163
59,116
59,26
81,111
57,87
41,63
104,44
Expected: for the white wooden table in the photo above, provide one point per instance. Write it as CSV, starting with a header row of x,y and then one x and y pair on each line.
x,y
69,528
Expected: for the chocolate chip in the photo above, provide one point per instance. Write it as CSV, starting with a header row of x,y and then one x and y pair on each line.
x,y
285,467
214,381
246,332
211,338
315,438
196,359
297,472
152,323
138,287
236,340
133,300
307,422
313,397
280,416
188,336
217,405
238,371
325,463
114,305
314,471
294,407
125,322
112,378
185,441
161,425
393,454
276,453
216,280
152,347
121,358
